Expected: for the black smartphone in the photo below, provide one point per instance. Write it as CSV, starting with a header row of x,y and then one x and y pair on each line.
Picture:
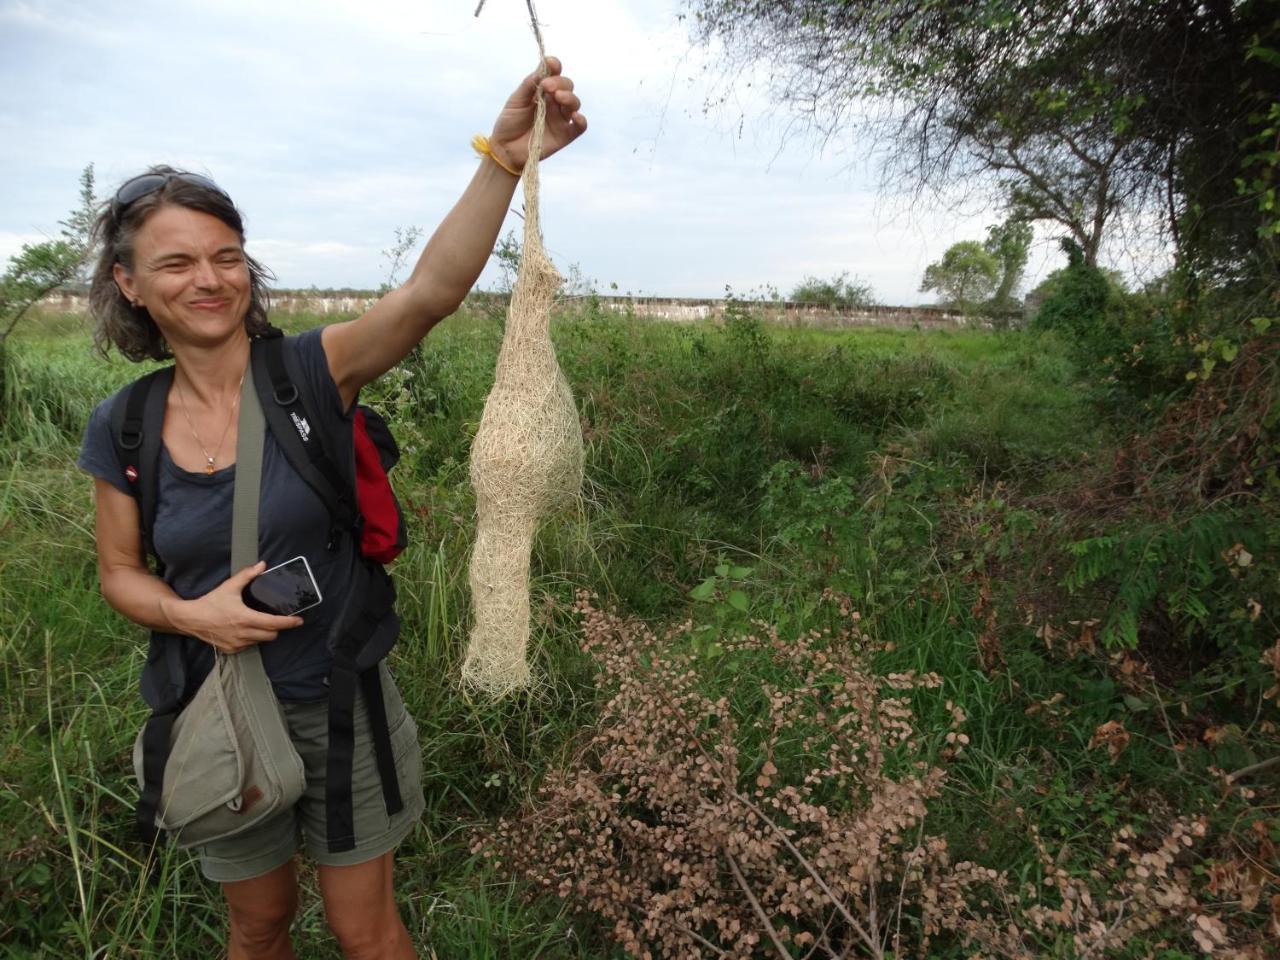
x,y
285,589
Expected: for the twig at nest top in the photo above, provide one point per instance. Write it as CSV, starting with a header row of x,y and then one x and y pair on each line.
x,y
533,19
537,31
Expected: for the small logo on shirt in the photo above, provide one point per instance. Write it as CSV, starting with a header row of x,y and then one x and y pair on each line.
x,y
304,428
131,473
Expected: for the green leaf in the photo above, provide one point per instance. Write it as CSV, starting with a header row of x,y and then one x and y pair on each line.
x,y
705,590
741,573
738,600
722,569
1265,54
1136,704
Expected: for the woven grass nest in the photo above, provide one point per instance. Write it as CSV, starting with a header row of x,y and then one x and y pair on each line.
x,y
526,460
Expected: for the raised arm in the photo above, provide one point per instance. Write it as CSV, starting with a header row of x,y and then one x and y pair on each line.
x,y
365,348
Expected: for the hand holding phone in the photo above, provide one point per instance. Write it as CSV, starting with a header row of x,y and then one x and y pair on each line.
x,y
285,589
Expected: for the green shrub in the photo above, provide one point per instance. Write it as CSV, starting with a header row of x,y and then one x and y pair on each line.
x,y
838,293
1077,303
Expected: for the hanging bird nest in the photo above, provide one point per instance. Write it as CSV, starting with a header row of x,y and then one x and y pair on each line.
x,y
526,459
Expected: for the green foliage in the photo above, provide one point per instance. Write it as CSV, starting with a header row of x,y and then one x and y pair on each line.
x,y
396,256
1152,567
966,275
507,253
1080,112
1075,302
737,472
39,269
77,229
1008,242
838,293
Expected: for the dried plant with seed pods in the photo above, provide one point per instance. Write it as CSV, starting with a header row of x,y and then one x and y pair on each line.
x,y
788,819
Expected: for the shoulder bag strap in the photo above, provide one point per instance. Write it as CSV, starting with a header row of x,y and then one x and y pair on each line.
x,y
244,502
248,489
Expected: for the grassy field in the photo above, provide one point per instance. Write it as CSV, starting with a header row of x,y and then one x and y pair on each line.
x,y
754,468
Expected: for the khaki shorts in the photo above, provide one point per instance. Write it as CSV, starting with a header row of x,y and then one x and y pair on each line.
x,y
275,841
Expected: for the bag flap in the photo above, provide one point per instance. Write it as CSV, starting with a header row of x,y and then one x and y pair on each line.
x,y
205,769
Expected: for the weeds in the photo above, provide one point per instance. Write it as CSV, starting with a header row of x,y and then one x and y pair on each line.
x,y
789,820
734,474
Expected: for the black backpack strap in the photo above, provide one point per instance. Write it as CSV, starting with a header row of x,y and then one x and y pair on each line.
x,y
137,426
157,735
137,422
371,684
347,673
289,414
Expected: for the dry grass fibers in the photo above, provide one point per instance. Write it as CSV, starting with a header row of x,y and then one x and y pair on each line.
x,y
526,460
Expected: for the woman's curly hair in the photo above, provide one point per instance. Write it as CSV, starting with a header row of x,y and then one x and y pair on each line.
x,y
128,328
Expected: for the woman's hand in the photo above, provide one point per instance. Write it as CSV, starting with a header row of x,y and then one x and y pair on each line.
x,y
221,619
510,137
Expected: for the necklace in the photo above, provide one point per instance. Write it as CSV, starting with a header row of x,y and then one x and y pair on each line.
x,y
210,458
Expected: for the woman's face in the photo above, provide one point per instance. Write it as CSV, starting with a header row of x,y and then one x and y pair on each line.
x,y
189,271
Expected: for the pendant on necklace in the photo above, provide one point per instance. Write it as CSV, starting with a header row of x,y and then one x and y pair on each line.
x,y
208,467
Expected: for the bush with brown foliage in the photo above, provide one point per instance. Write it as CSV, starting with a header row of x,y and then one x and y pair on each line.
x,y
786,818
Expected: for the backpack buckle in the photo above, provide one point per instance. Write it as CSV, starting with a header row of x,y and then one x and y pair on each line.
x,y
285,394
131,434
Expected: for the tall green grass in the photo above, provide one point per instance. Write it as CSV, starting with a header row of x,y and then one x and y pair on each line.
x,y
809,459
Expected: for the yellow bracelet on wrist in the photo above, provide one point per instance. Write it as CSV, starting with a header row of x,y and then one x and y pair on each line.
x,y
480,144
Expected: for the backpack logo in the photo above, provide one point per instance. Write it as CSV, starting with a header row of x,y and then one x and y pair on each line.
x,y
131,473
304,428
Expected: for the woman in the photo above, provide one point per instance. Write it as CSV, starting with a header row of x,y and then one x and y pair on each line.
x,y
173,279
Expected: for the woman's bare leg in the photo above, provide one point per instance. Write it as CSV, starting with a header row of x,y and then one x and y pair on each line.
x,y
261,911
360,906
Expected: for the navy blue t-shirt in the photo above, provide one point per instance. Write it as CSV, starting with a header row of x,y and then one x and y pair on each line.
x,y
193,538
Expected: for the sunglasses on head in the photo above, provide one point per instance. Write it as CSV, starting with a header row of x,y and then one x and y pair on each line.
x,y
147,183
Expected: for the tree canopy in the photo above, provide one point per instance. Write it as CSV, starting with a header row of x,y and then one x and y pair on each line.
x,y
1076,111
40,268
1009,243
838,293
965,276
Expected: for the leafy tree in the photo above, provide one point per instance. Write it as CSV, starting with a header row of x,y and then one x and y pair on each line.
x,y
965,276
1076,111
77,229
838,293
1008,242
39,269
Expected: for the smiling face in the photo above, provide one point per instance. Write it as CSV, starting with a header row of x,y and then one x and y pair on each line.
x,y
190,273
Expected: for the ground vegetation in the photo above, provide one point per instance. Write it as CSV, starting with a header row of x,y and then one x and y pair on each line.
x,y
861,571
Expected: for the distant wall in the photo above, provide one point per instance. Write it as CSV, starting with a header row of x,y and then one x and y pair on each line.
x,y
675,309
786,313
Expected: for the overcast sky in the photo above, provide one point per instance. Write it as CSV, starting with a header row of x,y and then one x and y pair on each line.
x,y
332,122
